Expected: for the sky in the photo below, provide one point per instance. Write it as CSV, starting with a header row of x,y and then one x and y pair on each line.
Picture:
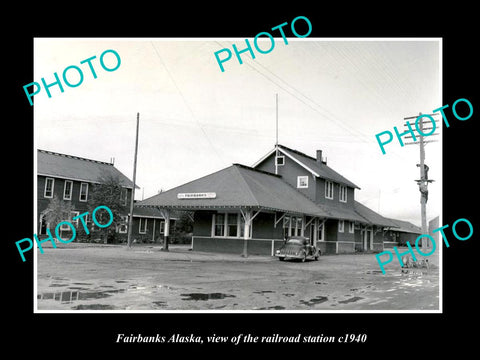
x,y
333,94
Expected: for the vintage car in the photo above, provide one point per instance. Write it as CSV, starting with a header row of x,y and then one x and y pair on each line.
x,y
297,247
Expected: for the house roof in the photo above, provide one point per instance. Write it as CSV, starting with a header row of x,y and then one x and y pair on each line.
x,y
317,168
71,167
405,226
372,217
239,186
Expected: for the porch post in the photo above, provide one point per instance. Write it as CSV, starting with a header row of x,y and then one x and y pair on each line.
x,y
166,216
247,217
315,232
302,230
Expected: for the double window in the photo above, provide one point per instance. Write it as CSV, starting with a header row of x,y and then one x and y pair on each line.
x,y
341,226
228,225
292,226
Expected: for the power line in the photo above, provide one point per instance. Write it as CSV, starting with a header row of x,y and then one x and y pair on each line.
x,y
185,101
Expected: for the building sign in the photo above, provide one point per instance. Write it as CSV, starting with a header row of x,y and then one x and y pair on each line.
x,y
199,195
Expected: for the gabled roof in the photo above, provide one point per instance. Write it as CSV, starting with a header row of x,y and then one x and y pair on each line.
x,y
317,168
371,216
71,167
405,226
235,187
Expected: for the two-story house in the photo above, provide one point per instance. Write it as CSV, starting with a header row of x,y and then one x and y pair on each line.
x,y
243,209
70,178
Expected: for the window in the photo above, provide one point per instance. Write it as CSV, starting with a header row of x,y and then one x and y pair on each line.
x,y
280,159
292,226
48,192
228,225
341,225
67,190
124,196
302,182
351,227
321,232
328,189
66,227
83,192
343,193
142,228
286,226
219,225
162,227
232,224
123,226
298,227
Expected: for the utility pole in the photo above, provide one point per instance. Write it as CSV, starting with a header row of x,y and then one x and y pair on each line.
x,y
423,181
132,199
276,133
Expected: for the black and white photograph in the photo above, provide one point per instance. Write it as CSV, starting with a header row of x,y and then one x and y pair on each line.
x,y
244,180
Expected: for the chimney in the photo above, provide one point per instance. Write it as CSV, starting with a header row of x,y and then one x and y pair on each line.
x,y
319,157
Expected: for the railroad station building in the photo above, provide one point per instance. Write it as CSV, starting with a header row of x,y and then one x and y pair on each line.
x,y
252,209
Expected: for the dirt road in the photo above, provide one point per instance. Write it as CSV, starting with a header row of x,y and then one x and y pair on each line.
x,y
86,277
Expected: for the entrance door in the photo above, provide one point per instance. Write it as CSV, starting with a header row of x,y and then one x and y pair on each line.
x,y
367,240
311,233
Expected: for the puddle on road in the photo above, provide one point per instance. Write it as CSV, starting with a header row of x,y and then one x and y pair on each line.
x,y
67,297
263,292
353,299
314,301
276,307
94,307
204,297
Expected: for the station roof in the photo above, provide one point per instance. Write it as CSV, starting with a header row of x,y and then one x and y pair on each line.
x,y
405,226
372,217
238,186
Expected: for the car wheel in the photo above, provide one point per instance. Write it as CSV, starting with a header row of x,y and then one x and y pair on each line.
x,y
281,258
